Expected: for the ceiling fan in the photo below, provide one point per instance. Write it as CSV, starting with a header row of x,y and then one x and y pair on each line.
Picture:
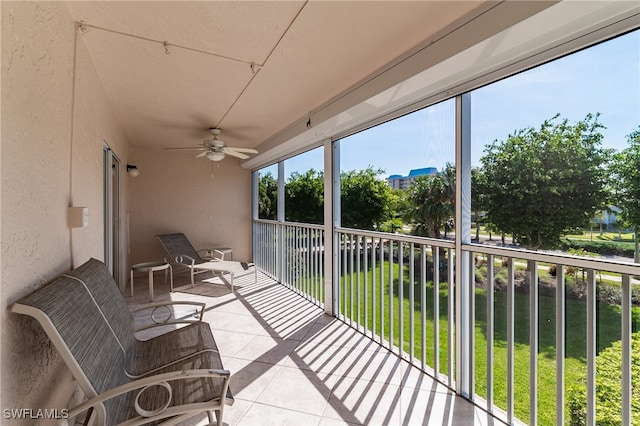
x,y
215,150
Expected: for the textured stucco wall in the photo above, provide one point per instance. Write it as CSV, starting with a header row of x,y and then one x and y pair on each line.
x,y
175,192
52,136
56,118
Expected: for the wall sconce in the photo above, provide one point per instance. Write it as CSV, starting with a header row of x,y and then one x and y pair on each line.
x,y
132,170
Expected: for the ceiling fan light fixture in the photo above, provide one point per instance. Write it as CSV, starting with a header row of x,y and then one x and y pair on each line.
x,y
215,156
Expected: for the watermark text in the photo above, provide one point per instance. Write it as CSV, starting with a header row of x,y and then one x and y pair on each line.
x,y
35,414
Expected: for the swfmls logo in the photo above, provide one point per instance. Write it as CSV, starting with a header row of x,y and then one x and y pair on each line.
x,y
30,413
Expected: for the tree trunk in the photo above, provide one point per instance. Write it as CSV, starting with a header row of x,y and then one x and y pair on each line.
x,y
636,254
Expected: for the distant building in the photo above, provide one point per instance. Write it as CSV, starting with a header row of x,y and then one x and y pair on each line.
x,y
403,182
608,217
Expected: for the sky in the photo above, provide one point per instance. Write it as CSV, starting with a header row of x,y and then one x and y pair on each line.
x,y
603,79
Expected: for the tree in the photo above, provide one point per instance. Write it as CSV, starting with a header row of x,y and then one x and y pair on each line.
x,y
431,199
608,390
304,197
478,191
543,183
366,201
267,197
627,186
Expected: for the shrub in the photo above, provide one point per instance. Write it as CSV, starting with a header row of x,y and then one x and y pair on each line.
x,y
501,278
615,248
608,388
608,294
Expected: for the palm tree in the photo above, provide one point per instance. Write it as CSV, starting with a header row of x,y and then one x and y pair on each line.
x,y
431,202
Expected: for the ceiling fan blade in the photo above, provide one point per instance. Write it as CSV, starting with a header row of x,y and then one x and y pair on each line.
x,y
193,148
235,154
202,154
246,150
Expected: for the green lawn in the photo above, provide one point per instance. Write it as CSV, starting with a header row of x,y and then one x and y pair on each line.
x,y
605,236
354,289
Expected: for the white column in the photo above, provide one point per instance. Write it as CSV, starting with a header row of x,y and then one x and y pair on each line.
x,y
331,220
281,262
464,285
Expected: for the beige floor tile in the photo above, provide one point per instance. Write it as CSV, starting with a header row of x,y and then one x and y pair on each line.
x,y
364,402
289,326
265,415
233,322
376,366
230,343
339,334
249,378
300,390
267,349
327,421
422,407
414,378
318,357
291,364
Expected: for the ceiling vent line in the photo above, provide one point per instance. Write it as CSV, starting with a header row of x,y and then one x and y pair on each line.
x,y
84,28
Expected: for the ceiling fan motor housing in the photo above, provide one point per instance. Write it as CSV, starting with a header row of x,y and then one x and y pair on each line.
x,y
215,149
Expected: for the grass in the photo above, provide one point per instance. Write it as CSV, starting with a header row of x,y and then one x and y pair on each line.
x,y
605,236
384,319
591,235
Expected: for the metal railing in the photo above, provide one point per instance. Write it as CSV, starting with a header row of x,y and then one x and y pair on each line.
x,y
399,290
554,312
394,288
293,254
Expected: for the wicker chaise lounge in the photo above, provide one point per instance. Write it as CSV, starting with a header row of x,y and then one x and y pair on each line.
x,y
98,346
183,254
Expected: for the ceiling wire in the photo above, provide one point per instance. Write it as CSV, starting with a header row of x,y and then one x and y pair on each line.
x,y
255,68
84,27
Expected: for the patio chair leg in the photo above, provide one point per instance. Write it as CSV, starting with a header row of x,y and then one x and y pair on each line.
x,y
218,418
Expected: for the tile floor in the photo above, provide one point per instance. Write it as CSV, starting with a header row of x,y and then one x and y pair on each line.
x,y
291,364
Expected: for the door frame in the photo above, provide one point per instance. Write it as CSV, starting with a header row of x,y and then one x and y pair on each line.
x,y
111,212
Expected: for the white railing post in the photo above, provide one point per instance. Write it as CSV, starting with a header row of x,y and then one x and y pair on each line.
x,y
435,255
510,339
280,245
423,308
533,342
591,347
560,343
490,330
464,282
626,350
331,222
255,212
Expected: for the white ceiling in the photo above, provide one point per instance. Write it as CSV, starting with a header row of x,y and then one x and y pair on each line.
x,y
260,70
303,54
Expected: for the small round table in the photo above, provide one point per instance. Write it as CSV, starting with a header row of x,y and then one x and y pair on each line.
x,y
152,267
227,252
